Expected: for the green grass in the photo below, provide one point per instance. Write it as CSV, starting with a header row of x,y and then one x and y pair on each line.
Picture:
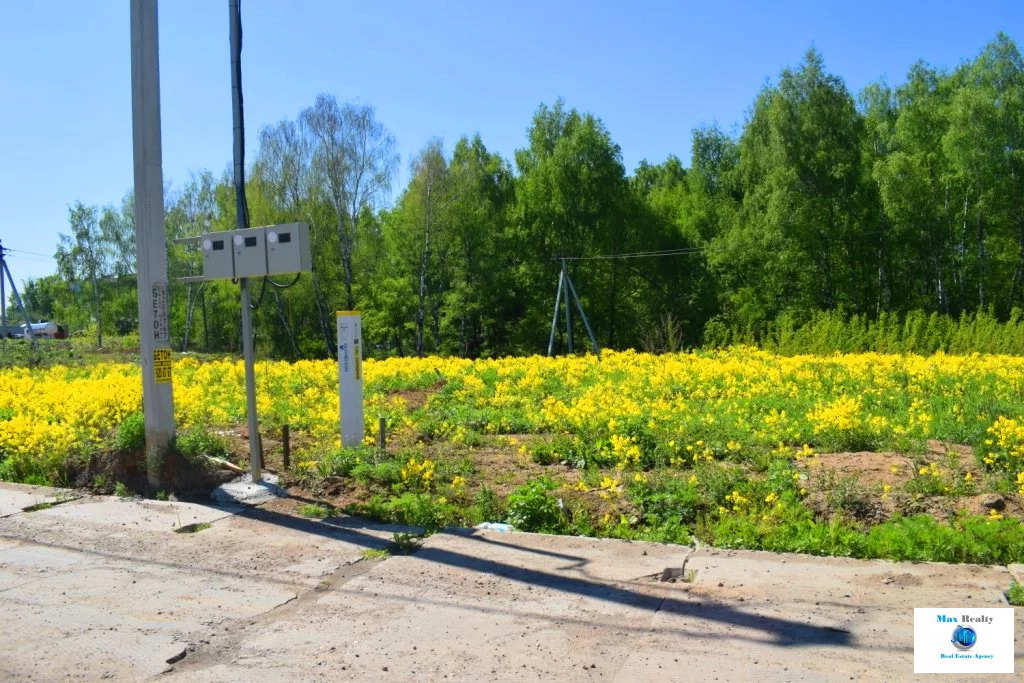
x,y
376,554
316,510
406,543
1016,594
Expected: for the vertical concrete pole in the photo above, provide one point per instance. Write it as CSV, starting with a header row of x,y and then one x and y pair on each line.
x,y
151,247
350,377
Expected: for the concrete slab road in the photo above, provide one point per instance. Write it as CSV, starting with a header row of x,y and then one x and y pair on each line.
x,y
106,589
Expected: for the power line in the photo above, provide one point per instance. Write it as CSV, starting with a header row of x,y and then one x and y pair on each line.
x,y
631,255
30,253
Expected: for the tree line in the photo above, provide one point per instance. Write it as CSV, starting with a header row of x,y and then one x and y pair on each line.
x,y
905,200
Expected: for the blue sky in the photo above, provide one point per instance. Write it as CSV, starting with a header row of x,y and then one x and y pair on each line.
x,y
652,71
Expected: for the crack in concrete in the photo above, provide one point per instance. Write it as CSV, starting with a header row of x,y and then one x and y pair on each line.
x,y
667,572
42,505
207,652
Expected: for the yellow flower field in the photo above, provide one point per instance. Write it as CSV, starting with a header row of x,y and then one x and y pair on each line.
x,y
635,410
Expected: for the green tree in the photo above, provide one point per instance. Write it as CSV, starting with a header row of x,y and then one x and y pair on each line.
x,y
572,200
800,242
353,161
83,255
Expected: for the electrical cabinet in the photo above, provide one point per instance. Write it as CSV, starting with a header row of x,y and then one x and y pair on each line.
x,y
250,250
254,252
288,248
218,256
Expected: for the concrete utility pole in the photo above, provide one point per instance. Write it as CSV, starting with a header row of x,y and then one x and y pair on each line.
x,y
151,245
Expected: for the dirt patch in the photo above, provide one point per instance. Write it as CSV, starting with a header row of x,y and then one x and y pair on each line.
x,y
1012,504
416,398
187,480
505,470
868,469
339,491
870,487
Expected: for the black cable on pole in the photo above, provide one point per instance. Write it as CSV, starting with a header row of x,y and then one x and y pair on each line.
x,y
241,202
290,284
241,205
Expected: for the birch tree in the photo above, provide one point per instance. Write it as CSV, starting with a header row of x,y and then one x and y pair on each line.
x,y
353,160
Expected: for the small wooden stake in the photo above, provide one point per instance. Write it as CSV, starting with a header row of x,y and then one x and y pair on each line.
x,y
382,438
286,455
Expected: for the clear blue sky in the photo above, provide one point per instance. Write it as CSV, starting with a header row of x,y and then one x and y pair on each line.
x,y
651,70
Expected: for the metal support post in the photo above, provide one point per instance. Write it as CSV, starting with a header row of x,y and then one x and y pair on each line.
x,y
242,220
286,448
17,300
255,447
554,318
583,317
3,304
568,311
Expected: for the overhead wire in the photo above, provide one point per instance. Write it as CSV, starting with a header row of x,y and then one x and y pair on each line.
x,y
631,255
29,253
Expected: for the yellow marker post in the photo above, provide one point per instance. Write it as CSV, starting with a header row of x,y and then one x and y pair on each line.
x,y
350,377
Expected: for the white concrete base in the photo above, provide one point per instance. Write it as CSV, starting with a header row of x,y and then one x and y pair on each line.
x,y
244,491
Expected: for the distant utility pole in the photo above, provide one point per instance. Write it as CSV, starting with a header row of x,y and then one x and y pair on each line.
x,y
151,247
6,272
565,287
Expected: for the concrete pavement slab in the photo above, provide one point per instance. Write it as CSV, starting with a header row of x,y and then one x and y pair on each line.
x,y
264,545
264,595
116,618
471,606
14,498
139,514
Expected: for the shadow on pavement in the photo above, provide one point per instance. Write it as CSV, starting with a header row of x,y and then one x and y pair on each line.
x,y
784,632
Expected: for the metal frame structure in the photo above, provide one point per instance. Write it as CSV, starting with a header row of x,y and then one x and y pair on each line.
x,y
565,285
6,271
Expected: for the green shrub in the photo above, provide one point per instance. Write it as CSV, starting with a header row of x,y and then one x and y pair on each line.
x,y
131,434
671,500
1015,595
382,474
316,510
530,508
824,332
544,454
976,540
486,507
194,442
341,462
422,510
